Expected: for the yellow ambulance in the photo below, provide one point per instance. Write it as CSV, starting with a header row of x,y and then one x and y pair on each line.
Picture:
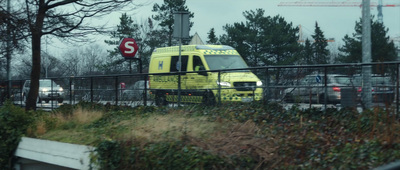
x,y
204,74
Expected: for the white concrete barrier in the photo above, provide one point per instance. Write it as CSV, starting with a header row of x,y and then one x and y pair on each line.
x,y
55,153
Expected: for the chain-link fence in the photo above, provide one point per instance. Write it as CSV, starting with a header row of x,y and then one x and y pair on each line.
x,y
323,86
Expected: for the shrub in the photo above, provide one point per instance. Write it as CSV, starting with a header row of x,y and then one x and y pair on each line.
x,y
165,155
14,122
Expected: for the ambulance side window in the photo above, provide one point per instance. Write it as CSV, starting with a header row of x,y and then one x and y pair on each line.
x,y
174,63
197,64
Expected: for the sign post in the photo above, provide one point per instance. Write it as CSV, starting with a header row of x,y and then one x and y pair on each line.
x,y
128,49
181,30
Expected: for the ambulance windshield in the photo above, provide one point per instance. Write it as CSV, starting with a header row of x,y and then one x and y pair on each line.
x,y
220,62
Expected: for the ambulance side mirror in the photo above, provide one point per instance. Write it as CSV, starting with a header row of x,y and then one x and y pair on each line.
x,y
201,68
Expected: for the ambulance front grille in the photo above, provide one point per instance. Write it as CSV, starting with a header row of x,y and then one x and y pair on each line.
x,y
245,86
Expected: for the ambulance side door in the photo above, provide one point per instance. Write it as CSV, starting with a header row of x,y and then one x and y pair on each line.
x,y
199,80
174,67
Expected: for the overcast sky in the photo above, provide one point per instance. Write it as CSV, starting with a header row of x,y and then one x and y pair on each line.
x,y
335,22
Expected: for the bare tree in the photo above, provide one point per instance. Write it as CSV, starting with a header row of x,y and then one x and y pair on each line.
x,y
23,68
93,56
63,19
72,62
12,28
51,66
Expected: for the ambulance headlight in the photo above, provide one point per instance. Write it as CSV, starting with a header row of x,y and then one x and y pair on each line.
x,y
259,83
224,83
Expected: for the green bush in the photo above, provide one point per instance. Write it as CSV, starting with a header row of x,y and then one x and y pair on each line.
x,y
167,155
14,122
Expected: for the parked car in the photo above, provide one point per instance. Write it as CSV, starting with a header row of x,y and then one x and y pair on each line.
x,y
311,88
382,88
135,92
48,90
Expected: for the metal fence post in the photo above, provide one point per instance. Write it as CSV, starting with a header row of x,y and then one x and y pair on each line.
x,y
266,87
326,88
179,87
51,93
145,91
116,90
71,90
20,91
397,90
91,89
219,87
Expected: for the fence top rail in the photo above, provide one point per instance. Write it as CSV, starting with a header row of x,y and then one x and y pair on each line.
x,y
226,70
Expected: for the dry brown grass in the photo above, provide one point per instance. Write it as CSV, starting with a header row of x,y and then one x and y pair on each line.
x,y
41,128
169,127
79,116
152,128
37,129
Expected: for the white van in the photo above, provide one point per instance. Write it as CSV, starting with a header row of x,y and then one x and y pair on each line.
x,y
48,90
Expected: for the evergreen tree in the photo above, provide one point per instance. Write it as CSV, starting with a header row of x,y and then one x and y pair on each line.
x,y
307,53
263,40
152,38
212,38
382,48
247,38
319,46
126,29
280,42
165,17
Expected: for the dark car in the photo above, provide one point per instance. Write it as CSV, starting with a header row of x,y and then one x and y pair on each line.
x,y
382,88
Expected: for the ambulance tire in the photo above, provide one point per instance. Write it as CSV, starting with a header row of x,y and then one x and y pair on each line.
x,y
208,99
161,100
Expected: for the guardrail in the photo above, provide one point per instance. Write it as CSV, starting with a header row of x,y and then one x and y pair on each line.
x,y
278,83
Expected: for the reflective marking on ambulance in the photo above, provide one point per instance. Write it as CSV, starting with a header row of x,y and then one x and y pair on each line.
x,y
226,52
173,78
175,49
184,98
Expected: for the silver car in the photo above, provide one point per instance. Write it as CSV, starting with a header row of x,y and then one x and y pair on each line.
x,y
311,88
48,90
135,92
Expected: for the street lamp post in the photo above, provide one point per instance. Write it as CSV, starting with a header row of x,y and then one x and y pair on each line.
x,y
366,55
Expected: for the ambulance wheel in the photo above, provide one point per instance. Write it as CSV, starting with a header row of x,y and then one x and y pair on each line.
x,y
208,99
161,100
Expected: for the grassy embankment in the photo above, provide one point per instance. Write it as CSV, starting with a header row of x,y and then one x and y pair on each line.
x,y
248,136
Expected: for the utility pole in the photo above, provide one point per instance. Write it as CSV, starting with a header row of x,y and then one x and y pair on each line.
x,y
366,55
8,51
